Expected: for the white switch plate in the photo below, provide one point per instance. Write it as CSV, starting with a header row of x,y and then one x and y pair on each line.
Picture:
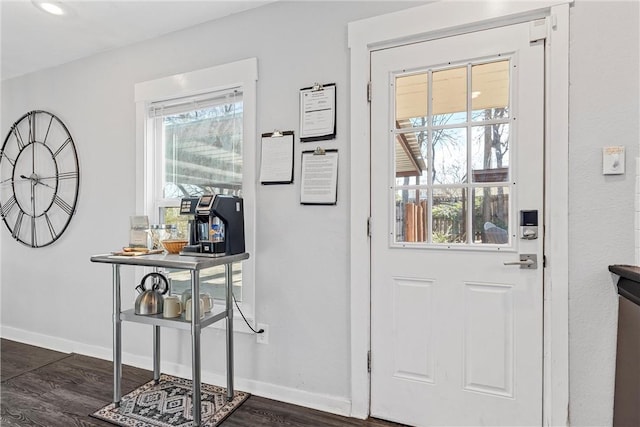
x,y
613,160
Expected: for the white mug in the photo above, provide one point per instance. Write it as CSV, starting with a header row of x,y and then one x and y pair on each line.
x,y
187,309
186,295
172,306
208,302
206,299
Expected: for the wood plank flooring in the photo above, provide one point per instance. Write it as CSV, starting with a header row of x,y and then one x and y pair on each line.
x,y
45,388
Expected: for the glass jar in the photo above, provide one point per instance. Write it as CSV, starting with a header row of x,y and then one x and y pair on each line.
x,y
155,230
160,232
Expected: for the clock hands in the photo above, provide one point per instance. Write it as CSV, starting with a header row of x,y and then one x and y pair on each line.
x,y
35,180
39,179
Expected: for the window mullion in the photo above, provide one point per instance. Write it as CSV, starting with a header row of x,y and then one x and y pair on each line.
x,y
429,223
470,193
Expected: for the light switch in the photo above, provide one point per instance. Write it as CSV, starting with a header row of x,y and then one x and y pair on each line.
x,y
613,160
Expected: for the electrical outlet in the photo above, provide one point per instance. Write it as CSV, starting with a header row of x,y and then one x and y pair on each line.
x,y
263,338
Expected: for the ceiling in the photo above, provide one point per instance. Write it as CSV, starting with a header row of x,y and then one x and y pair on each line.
x,y
32,39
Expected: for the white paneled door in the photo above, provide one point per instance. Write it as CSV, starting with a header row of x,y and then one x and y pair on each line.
x,y
457,183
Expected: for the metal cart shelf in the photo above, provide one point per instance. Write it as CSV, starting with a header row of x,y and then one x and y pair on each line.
x,y
194,264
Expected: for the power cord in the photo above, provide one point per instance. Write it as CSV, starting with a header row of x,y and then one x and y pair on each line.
x,y
260,331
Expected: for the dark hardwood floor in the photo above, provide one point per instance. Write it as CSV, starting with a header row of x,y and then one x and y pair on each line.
x,y
45,388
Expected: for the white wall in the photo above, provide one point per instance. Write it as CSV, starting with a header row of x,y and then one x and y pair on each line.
x,y
604,111
55,297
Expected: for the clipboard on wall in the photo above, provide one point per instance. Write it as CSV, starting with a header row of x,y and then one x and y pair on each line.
x,y
319,181
318,112
276,160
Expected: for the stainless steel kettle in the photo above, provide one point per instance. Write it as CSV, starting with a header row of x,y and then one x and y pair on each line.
x,y
151,301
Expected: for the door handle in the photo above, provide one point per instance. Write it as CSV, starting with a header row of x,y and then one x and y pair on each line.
x,y
529,261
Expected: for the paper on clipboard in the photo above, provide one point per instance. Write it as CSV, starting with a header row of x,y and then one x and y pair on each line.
x,y
318,113
319,183
276,166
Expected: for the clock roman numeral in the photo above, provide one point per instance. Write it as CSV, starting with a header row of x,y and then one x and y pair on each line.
x,y
18,225
67,175
18,136
64,144
6,208
34,235
63,205
52,230
32,128
9,159
44,141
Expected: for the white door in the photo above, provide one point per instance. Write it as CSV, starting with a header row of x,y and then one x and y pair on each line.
x,y
457,160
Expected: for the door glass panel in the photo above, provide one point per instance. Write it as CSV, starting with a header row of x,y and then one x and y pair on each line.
x,y
490,153
491,215
449,215
411,101
410,158
452,148
450,156
411,216
490,90
449,96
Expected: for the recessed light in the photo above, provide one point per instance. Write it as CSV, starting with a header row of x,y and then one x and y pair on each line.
x,y
52,7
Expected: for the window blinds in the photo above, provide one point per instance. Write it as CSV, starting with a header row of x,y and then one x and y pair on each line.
x,y
195,102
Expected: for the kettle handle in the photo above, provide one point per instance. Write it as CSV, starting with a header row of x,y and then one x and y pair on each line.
x,y
155,286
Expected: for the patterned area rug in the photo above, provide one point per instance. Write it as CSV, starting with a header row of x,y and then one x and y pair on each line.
x,y
168,404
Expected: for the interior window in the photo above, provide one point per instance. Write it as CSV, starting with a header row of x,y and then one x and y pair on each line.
x,y
198,143
197,136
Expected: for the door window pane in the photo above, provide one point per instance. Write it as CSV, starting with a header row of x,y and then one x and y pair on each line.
x,y
411,101
449,215
410,155
490,153
490,89
411,216
449,96
449,156
491,215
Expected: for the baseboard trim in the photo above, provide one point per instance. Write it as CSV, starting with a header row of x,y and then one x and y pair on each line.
x,y
319,401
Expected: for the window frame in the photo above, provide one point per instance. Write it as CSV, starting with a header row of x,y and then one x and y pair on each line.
x,y
240,74
470,185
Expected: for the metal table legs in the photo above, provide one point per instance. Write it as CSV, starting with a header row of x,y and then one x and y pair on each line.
x,y
195,345
156,354
229,308
195,340
117,336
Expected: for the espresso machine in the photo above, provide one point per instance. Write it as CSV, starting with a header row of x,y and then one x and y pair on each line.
x,y
216,226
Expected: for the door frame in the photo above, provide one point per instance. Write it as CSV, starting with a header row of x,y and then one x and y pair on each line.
x,y
409,26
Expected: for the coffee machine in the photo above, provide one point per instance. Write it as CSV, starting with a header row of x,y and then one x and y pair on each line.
x,y
216,226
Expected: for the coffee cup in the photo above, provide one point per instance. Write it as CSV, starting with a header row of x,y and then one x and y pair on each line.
x,y
208,302
187,310
172,306
186,295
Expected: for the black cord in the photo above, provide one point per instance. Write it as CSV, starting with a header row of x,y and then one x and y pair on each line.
x,y
245,319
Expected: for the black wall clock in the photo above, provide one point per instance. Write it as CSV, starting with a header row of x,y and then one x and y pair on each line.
x,y
39,179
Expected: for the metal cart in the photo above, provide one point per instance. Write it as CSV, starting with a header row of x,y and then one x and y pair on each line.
x,y
194,264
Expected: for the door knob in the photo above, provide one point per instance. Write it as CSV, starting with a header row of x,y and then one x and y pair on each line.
x,y
529,261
